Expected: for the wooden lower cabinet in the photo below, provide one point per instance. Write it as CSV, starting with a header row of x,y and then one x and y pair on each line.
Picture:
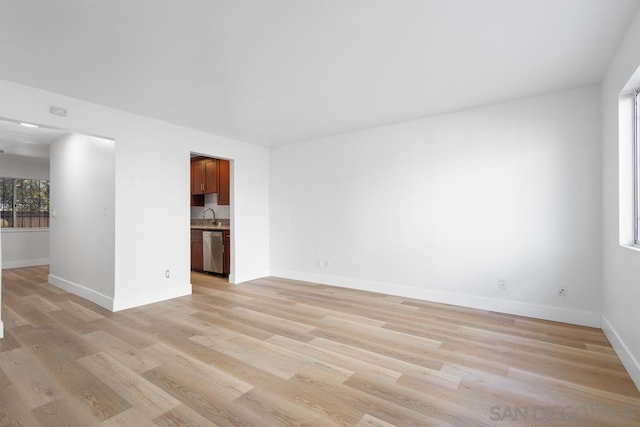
x,y
197,255
197,260
226,265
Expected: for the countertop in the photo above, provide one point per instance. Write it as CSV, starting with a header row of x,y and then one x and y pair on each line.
x,y
211,227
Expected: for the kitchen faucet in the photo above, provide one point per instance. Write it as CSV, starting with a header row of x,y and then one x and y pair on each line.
x,y
212,211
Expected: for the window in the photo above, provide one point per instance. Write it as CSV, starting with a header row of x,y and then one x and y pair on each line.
x,y
629,164
24,203
636,167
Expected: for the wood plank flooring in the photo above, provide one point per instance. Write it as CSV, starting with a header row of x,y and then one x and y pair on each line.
x,y
278,352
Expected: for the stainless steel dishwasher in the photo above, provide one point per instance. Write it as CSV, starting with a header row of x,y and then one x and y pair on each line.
x,y
213,251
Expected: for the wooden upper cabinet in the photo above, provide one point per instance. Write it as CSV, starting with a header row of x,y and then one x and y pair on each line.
x,y
204,176
223,182
211,176
197,176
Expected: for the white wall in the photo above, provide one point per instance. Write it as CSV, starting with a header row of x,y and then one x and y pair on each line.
x,y
152,163
444,207
621,268
15,166
1,324
24,247
82,202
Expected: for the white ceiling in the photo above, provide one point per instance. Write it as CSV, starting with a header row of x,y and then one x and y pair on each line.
x,y
25,141
280,71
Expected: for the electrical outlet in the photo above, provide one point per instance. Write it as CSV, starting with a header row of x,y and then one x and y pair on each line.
x,y
167,274
563,291
326,264
502,284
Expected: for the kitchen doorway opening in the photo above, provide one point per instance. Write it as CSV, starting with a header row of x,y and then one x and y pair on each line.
x,y
211,218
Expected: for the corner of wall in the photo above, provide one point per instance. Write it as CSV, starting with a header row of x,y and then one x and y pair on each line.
x,y
630,363
75,288
235,279
124,302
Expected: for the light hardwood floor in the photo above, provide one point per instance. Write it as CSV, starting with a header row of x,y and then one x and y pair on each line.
x,y
279,352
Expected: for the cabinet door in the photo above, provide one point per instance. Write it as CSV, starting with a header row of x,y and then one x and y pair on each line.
x,y
210,176
204,176
197,260
226,264
223,182
197,177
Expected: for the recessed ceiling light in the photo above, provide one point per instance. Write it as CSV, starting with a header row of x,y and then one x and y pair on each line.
x,y
28,125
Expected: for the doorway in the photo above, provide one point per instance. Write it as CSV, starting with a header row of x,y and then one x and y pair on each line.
x,y
210,216
65,180
24,192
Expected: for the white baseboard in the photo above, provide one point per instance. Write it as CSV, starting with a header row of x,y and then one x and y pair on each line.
x,y
629,361
100,299
546,312
24,263
115,304
1,329
240,278
131,301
